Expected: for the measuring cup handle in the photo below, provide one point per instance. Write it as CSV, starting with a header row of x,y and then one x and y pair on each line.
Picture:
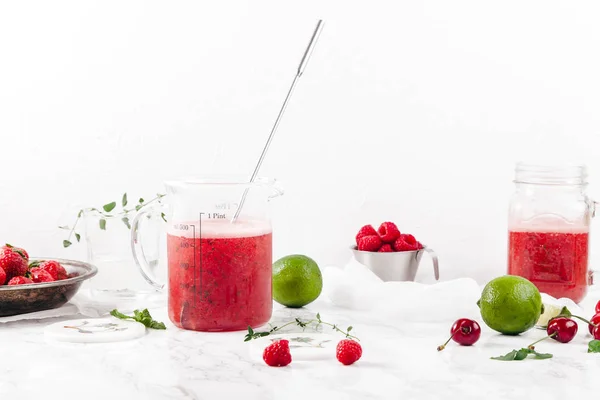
x,y
434,259
138,250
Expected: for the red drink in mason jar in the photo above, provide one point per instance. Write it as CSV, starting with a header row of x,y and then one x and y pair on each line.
x,y
220,278
556,261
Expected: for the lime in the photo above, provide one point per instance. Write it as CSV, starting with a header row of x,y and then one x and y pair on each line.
x,y
550,311
297,281
510,304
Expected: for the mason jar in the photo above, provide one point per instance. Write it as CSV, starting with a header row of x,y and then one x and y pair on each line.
x,y
548,229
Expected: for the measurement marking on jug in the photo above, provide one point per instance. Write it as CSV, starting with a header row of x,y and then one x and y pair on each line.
x,y
194,258
215,216
200,241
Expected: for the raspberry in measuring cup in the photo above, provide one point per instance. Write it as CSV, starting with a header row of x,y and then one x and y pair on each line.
x,y
220,274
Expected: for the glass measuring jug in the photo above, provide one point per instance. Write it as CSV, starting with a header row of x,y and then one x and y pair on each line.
x,y
549,224
219,271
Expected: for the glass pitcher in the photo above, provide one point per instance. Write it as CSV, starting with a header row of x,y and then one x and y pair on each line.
x,y
549,224
219,269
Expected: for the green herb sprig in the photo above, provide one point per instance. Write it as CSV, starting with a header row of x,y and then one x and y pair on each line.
x,y
142,317
107,212
301,323
519,355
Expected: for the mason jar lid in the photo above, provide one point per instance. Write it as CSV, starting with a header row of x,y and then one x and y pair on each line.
x,y
537,174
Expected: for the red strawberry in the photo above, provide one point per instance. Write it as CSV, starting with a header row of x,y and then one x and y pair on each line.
x,y
388,231
348,351
2,276
39,275
386,248
277,354
366,230
19,280
56,270
401,245
369,243
13,263
19,250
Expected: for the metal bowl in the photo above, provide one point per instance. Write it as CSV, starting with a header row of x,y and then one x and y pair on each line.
x,y
21,299
395,266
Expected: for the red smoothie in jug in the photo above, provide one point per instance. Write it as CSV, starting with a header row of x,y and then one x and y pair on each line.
x,y
220,275
556,262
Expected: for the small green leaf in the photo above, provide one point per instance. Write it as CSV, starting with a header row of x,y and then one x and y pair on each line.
x,y
103,224
162,215
109,207
594,346
141,200
522,354
142,317
124,200
349,329
318,317
80,214
138,207
564,313
77,236
540,356
507,357
64,227
126,222
66,243
119,315
519,355
34,264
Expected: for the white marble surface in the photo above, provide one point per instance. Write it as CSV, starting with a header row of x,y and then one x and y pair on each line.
x,y
399,361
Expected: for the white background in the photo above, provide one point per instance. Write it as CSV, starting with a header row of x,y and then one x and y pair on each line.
x,y
410,111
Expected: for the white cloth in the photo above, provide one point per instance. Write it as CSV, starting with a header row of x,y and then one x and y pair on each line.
x,y
356,287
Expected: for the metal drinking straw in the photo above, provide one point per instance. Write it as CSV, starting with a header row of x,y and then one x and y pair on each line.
x,y
301,67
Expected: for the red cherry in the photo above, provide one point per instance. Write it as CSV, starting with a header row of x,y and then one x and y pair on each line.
x,y
596,333
598,307
595,320
562,329
464,332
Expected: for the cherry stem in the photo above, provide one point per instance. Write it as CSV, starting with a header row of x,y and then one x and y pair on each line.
x,y
531,346
583,319
442,347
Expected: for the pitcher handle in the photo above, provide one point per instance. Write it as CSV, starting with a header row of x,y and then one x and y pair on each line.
x,y
138,250
434,259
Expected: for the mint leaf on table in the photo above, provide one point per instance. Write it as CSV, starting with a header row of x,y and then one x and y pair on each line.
x,y
143,317
507,357
594,346
519,355
540,356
